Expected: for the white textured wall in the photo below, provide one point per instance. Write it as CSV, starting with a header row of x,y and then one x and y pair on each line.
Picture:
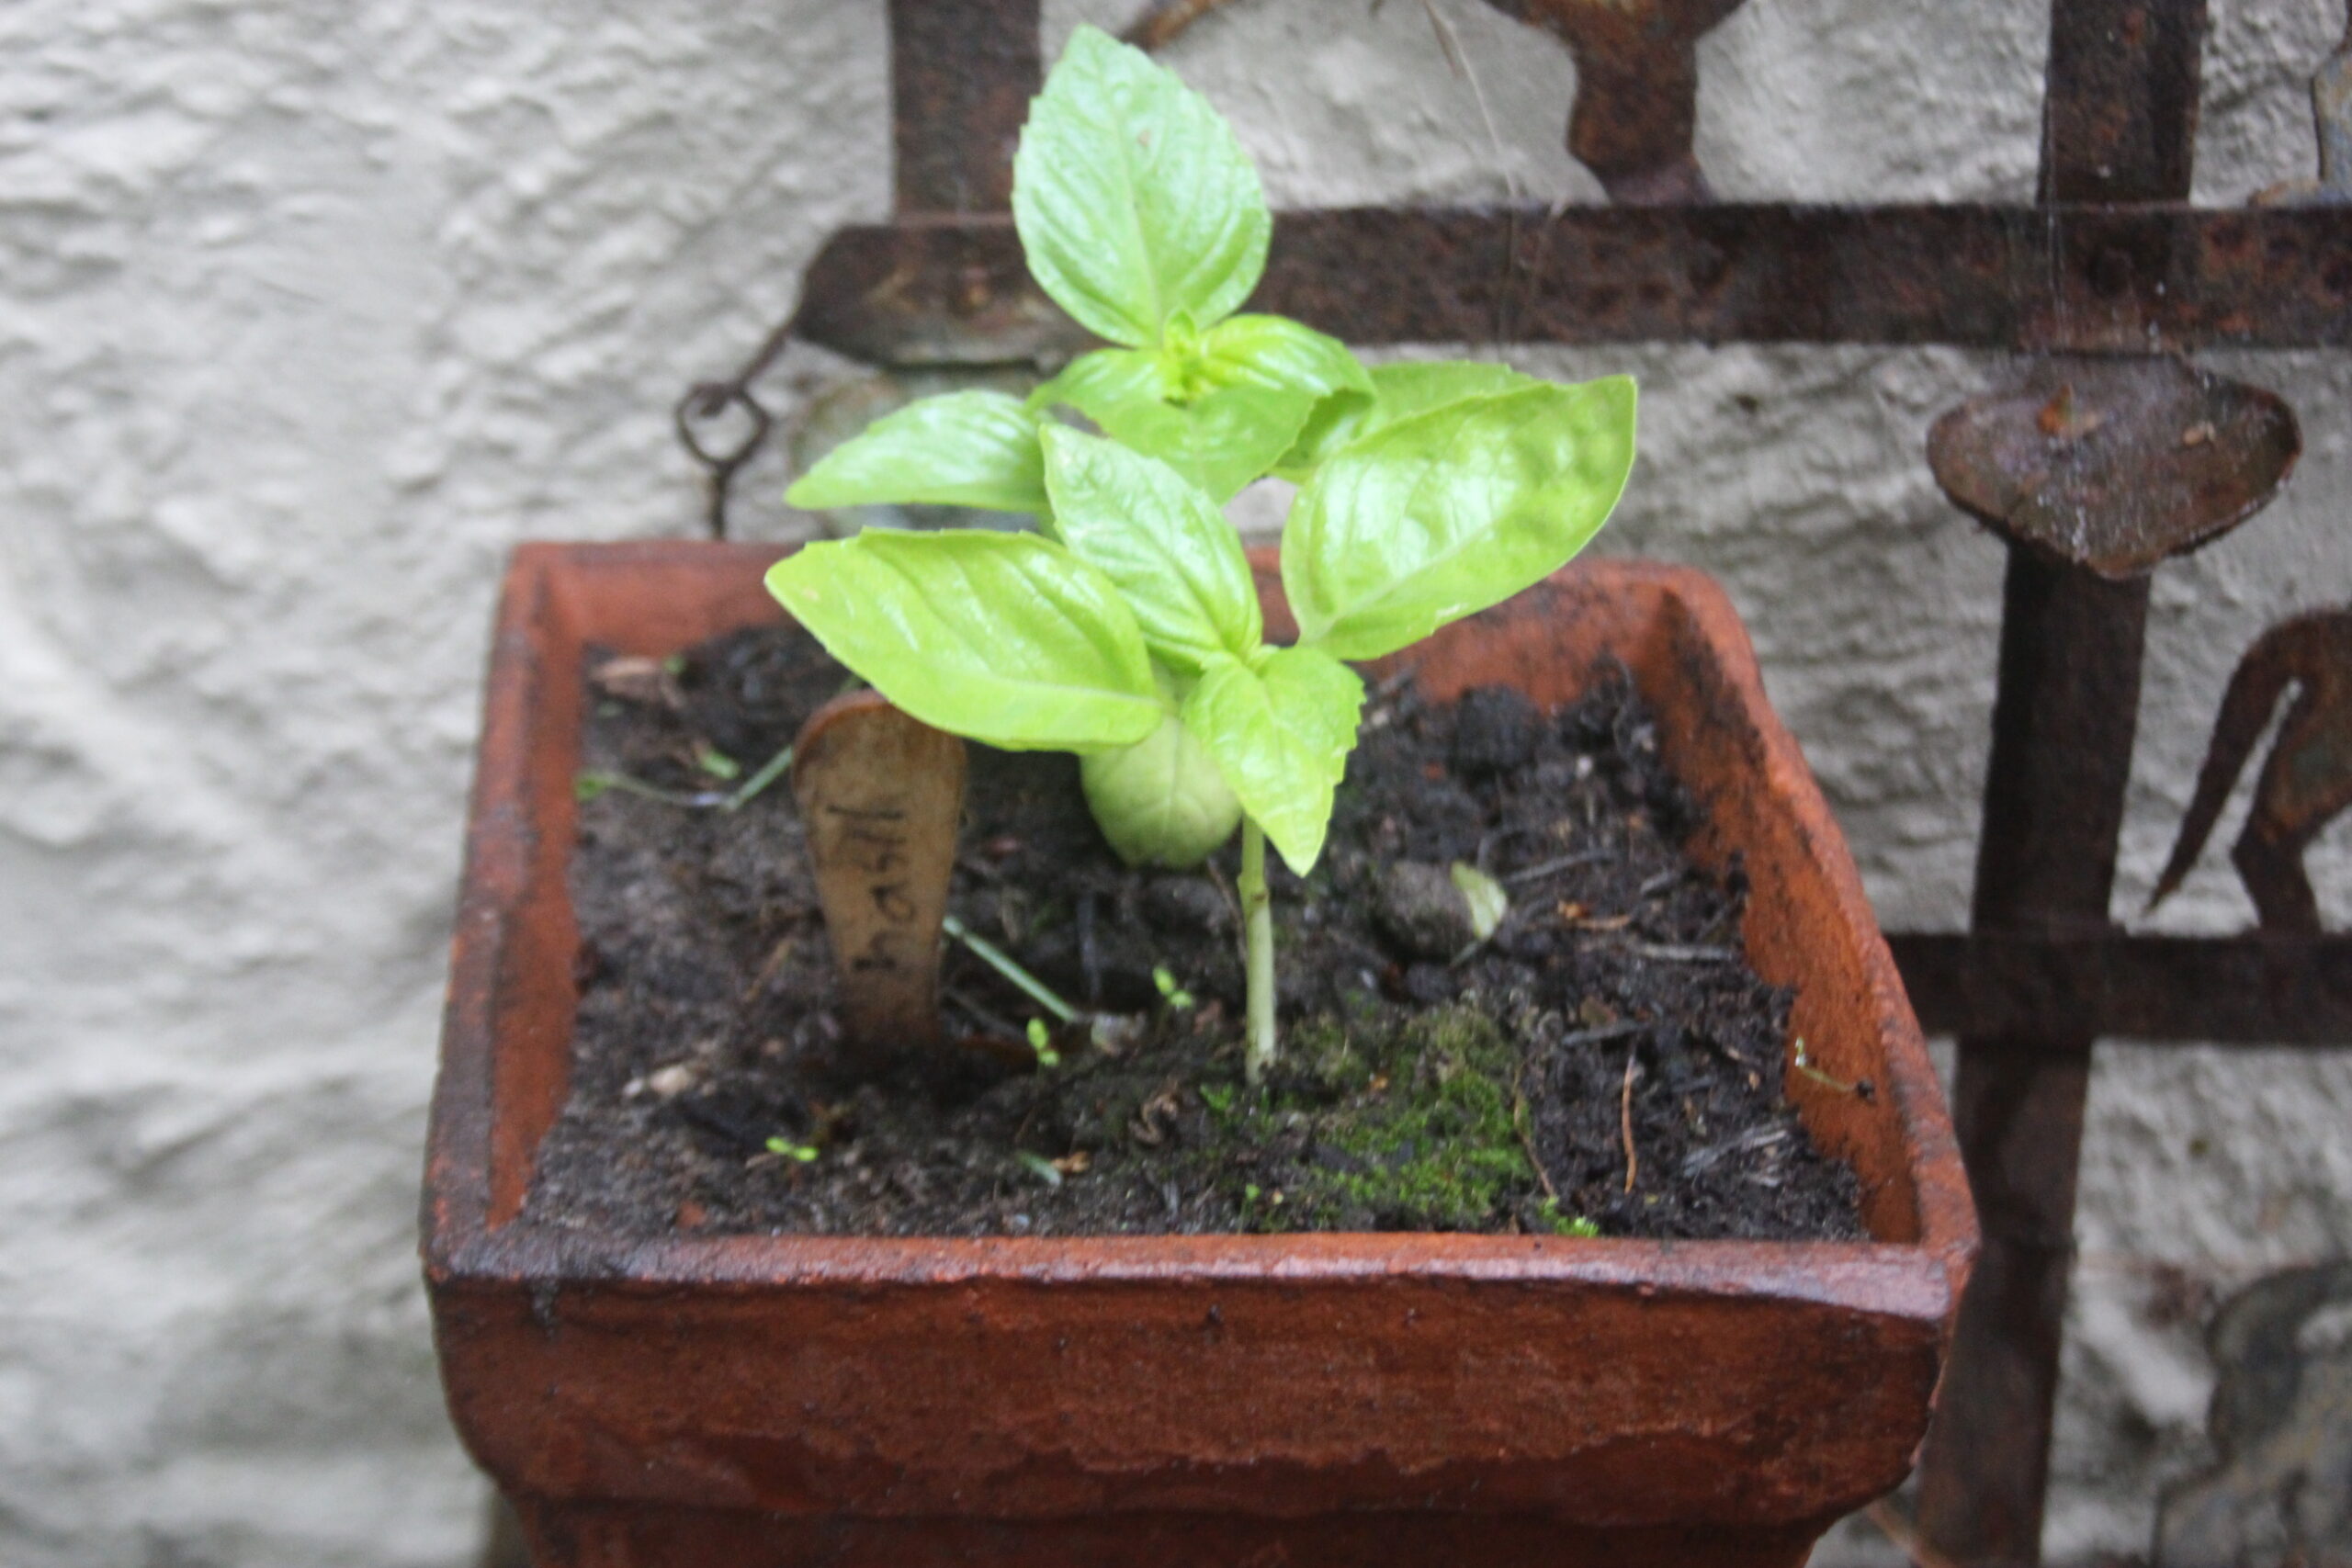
x,y
308,312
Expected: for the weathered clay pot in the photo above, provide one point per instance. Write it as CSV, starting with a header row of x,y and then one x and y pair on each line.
x,y
1343,1400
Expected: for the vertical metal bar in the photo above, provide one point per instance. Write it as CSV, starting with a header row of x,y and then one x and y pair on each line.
x,y
2063,728
961,78
2119,114
2118,124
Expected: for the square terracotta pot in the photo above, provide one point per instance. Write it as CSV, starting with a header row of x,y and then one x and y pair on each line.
x,y
1340,1399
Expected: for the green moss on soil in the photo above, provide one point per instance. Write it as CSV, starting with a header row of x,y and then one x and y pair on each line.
x,y
1400,1122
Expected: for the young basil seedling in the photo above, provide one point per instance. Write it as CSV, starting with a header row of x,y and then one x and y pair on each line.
x,y
1129,631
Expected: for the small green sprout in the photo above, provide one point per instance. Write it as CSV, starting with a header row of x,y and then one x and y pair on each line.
x,y
1806,1065
587,786
805,1153
1041,1040
1565,1223
1039,1167
1218,1098
1128,631
716,762
1173,994
1004,963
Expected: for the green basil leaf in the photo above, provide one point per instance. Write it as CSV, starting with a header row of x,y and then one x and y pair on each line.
x,y
1161,801
1399,391
1161,541
1004,638
1106,378
1330,427
1281,734
1133,201
1274,350
957,449
1278,353
1439,515
1417,386
1220,441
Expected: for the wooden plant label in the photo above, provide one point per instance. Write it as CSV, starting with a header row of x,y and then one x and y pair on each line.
x,y
879,797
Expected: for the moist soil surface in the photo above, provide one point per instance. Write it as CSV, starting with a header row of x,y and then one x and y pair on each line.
x,y
1604,1063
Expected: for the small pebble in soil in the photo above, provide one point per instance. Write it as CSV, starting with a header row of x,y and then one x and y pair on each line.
x,y
1420,909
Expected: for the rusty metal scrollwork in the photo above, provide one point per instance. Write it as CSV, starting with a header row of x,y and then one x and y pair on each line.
x,y
2306,780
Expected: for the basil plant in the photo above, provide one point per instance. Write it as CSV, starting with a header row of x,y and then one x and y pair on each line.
x,y
1126,629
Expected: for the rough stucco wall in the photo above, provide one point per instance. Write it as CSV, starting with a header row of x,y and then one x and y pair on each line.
x,y
309,314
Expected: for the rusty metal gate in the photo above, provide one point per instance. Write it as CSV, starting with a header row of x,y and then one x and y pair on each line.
x,y
2104,283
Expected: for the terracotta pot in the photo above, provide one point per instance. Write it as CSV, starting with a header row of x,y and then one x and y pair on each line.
x,y
1299,1400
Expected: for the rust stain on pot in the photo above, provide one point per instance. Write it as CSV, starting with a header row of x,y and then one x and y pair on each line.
x,y
2115,465
1013,1400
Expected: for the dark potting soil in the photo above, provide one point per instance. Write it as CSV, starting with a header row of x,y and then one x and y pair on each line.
x,y
1606,1063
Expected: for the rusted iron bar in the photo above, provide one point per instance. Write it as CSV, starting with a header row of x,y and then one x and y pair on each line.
x,y
2118,125
2305,783
2119,111
1167,21
2136,279
2062,722
1637,89
961,78
2257,990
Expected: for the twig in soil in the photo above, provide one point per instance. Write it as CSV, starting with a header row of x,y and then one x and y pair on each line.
x,y
1679,952
1659,883
1232,899
1002,961
1625,1121
776,962
1526,1138
1606,1031
994,1023
1090,958
1698,1160
1583,857
724,1123
1905,1535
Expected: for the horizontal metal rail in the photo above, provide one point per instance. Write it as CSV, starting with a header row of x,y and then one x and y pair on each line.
x,y
2256,990
2146,278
